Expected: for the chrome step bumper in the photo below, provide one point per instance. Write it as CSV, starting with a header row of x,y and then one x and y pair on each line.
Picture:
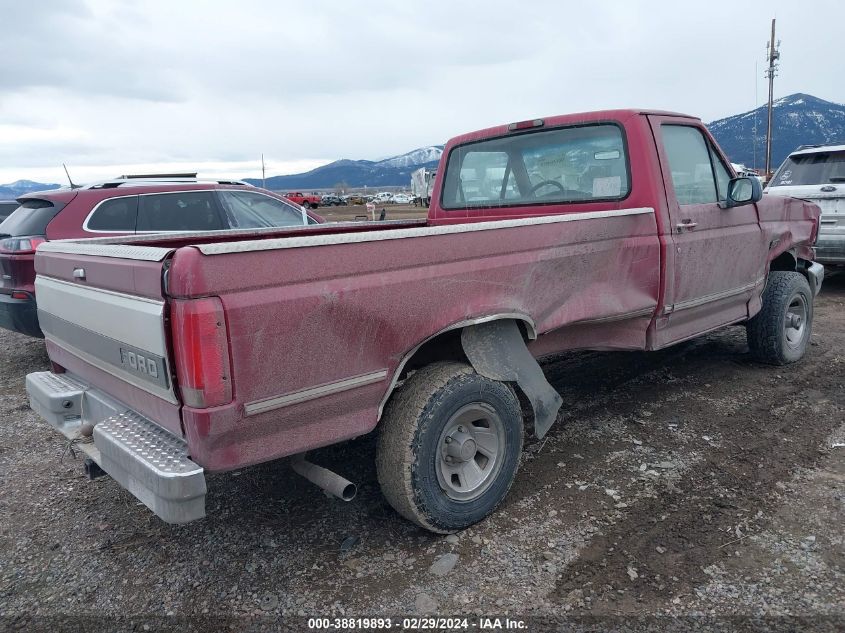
x,y
144,458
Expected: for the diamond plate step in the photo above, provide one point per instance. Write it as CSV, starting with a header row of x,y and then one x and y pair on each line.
x,y
153,464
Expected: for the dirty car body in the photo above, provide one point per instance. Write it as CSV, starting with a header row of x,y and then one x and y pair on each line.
x,y
817,174
605,230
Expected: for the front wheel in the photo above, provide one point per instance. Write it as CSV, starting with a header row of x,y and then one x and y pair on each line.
x,y
306,204
449,446
780,332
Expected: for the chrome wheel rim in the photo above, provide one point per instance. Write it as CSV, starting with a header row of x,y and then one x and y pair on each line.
x,y
470,451
795,321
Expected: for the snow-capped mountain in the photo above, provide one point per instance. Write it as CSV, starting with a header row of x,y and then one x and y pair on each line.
x,y
390,172
798,119
419,156
19,187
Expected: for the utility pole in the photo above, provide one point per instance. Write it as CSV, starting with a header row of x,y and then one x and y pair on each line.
x,y
756,105
263,180
772,55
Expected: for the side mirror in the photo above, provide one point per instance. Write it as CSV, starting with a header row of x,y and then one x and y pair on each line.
x,y
743,190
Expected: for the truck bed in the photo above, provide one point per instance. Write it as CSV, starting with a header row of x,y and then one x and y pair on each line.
x,y
342,305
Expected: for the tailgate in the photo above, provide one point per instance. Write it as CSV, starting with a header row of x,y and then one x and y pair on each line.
x,y
103,314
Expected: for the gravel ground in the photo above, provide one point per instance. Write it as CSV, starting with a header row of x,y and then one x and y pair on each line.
x,y
691,483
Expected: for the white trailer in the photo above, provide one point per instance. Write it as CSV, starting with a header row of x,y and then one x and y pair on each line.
x,y
422,182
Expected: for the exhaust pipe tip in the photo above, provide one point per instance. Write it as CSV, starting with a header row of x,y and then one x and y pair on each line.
x,y
348,493
324,478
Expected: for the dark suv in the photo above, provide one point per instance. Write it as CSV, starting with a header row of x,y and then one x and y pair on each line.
x,y
119,207
6,208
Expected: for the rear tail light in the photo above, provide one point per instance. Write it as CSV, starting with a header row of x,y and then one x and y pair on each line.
x,y
18,294
201,350
21,245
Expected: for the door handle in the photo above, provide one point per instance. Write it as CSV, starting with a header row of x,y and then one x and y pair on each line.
x,y
687,225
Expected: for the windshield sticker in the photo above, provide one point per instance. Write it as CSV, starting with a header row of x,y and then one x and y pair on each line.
x,y
608,187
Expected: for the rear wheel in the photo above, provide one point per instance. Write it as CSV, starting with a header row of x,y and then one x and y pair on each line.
x,y
306,204
449,447
780,332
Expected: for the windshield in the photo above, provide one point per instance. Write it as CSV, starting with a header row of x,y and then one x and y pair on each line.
x,y
250,210
816,168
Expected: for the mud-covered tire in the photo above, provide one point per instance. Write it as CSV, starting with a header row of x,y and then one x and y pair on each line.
x,y
772,333
411,445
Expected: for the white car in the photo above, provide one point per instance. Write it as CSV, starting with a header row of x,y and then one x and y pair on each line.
x,y
817,173
401,198
742,170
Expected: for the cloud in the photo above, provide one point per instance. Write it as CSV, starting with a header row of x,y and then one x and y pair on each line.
x,y
217,82
93,50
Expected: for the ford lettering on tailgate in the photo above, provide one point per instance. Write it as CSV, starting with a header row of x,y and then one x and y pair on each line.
x,y
144,365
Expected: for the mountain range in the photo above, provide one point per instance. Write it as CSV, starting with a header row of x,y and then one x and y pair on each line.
x,y
19,187
346,173
798,119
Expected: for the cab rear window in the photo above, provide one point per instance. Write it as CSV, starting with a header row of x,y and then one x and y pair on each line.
x,y
564,165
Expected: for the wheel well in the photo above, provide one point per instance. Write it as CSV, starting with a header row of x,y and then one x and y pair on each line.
x,y
785,261
447,346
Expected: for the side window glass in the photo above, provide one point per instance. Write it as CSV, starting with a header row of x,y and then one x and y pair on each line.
x,y
689,162
722,174
178,211
117,214
250,210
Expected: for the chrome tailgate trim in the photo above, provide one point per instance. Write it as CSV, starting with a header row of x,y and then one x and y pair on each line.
x,y
138,321
109,330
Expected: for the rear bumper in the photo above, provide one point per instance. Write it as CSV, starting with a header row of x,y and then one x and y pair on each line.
x,y
144,458
19,315
815,275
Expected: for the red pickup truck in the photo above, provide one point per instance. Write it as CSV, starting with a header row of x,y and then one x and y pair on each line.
x,y
623,230
304,199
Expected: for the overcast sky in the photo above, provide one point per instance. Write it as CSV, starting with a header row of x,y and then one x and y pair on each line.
x,y
109,86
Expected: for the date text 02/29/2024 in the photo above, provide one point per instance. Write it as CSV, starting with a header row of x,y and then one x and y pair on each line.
x,y
417,623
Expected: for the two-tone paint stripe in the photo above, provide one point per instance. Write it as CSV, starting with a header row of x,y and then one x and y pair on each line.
x,y
312,393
